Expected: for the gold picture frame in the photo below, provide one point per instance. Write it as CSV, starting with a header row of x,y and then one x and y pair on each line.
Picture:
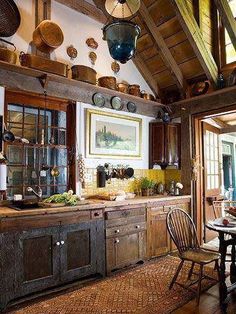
x,y
112,136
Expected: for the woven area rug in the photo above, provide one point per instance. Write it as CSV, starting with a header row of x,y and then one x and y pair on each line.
x,y
141,290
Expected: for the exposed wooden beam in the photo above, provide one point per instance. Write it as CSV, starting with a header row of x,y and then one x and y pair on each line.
x,y
86,8
163,49
194,35
229,129
227,18
139,63
220,123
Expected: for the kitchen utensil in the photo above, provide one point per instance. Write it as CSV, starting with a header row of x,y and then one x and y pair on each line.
x,y
47,36
134,90
108,82
147,96
116,103
131,107
39,63
115,67
93,57
72,52
99,100
84,73
9,18
200,88
91,43
8,136
8,55
128,173
55,172
123,88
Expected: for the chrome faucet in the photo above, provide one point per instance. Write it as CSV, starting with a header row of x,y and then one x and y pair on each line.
x,y
39,194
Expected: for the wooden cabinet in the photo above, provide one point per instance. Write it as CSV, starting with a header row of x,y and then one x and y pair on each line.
x,y
41,258
38,260
164,144
82,246
125,237
158,238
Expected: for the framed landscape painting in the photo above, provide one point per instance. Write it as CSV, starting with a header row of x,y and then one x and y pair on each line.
x,y
113,136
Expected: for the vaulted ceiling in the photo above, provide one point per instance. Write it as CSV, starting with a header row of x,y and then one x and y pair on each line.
x,y
178,41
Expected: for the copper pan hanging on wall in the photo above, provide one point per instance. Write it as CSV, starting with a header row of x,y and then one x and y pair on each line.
x,y
47,36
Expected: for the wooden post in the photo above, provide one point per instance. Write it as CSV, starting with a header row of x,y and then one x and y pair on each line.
x,y
42,12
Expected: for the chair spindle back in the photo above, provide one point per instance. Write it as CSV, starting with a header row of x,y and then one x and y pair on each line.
x,y
182,230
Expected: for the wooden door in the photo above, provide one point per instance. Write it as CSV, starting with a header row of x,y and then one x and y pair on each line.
x,y
125,250
156,144
37,260
158,239
172,148
78,250
212,177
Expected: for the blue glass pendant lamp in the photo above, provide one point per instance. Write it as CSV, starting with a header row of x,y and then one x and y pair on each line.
x,y
121,35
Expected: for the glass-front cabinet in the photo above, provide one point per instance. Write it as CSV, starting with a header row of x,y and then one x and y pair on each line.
x,y
40,154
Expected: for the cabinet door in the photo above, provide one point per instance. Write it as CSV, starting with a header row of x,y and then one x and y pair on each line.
x,y
156,144
125,250
78,250
158,237
172,152
38,256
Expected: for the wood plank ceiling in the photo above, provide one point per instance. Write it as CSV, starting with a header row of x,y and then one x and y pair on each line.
x,y
176,43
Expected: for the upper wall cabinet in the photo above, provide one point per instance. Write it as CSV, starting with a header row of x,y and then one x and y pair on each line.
x,y
164,144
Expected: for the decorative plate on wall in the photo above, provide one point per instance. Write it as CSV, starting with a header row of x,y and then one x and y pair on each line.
x,y
131,107
99,100
116,103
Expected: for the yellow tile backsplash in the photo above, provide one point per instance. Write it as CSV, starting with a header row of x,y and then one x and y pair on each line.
x,y
163,176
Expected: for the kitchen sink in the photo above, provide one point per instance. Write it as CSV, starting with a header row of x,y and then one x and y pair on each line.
x,y
25,206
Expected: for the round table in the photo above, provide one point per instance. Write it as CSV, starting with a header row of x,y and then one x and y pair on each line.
x,y
216,225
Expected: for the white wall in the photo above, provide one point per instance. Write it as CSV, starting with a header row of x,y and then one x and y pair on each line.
x,y
94,162
76,28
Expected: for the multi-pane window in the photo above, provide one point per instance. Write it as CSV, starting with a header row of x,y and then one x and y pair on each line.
x,y
229,48
40,147
212,160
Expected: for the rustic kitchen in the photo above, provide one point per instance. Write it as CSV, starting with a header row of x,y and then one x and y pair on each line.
x,y
117,142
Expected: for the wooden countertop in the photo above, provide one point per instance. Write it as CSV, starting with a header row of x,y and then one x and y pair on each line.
x,y
6,212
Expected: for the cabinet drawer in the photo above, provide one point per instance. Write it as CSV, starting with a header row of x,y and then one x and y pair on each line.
x,y
124,213
182,206
121,230
125,221
97,214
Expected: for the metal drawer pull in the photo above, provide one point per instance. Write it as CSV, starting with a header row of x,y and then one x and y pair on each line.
x,y
58,243
96,214
117,231
117,241
62,242
137,227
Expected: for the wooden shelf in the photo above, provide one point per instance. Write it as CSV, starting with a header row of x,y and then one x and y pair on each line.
x,y
27,79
